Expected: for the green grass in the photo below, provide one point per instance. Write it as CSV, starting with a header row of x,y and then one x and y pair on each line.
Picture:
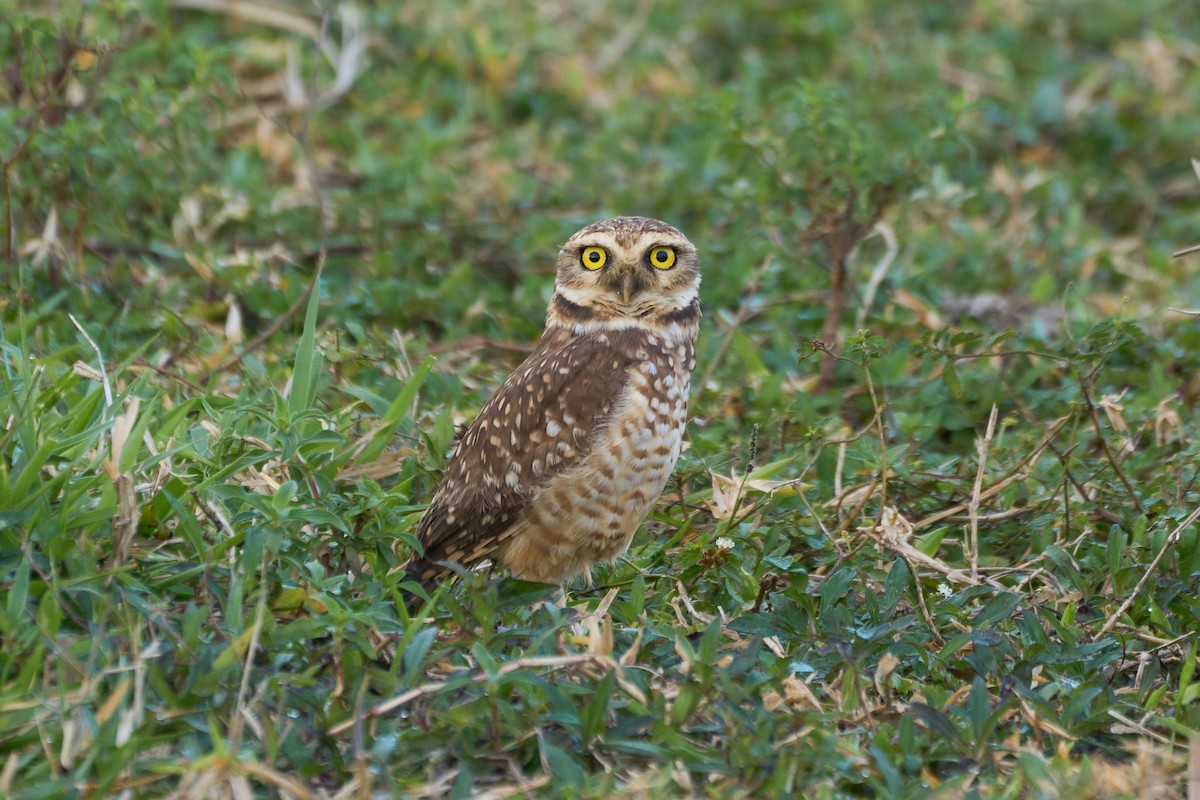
x,y
908,216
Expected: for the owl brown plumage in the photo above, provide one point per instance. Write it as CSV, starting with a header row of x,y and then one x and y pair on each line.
x,y
565,460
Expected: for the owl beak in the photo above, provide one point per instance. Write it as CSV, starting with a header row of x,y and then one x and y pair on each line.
x,y
632,283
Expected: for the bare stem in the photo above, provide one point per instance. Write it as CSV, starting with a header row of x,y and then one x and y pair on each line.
x,y
1085,385
982,448
1167,545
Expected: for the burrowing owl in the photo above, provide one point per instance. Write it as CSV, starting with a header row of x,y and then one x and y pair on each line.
x,y
567,457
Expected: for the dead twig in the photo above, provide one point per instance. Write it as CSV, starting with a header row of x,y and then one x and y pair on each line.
x,y
895,534
982,447
1167,545
1099,511
883,452
141,365
1008,513
880,271
269,331
1085,386
1016,473
833,320
1178,253
704,619
475,342
264,13
531,662
842,234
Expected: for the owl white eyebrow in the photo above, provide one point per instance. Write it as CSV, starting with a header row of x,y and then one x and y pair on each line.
x,y
598,239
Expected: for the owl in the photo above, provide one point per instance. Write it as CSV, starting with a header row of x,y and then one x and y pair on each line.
x,y
567,457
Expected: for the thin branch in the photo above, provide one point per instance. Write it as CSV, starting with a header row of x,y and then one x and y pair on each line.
x,y
108,393
895,535
1167,545
883,453
141,365
1008,513
1016,473
476,342
880,271
531,662
982,447
1085,385
812,512
1186,251
1196,247
259,340
1098,509
268,14
1005,353
833,319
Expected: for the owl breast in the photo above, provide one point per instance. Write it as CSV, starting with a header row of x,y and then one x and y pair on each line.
x,y
590,512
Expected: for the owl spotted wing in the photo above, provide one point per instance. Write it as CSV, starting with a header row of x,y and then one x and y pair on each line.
x,y
541,421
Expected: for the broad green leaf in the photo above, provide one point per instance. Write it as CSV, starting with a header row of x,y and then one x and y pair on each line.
x,y
307,369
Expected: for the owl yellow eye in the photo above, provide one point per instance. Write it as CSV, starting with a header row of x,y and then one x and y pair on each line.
x,y
593,257
662,257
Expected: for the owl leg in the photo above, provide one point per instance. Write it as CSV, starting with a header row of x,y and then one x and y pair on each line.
x,y
421,572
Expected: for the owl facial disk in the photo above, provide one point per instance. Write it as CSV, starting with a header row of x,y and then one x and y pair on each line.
x,y
624,272
619,273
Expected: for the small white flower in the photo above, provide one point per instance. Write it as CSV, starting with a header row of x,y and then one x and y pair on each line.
x,y
724,542
944,589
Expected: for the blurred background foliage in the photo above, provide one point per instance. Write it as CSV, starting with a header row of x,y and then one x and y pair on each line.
x,y
992,189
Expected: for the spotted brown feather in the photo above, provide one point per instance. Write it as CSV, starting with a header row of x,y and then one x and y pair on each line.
x,y
476,502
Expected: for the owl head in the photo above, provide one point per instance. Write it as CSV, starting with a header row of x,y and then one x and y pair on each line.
x,y
625,271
